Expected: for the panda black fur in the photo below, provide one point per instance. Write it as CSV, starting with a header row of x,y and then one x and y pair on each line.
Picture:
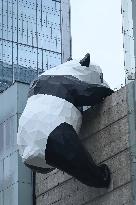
x,y
49,126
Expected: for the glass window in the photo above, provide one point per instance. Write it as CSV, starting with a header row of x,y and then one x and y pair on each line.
x,y
33,39
20,21
1,50
7,51
15,53
39,61
10,195
25,25
11,169
1,175
14,20
50,59
1,138
45,60
5,22
7,58
0,19
30,30
55,59
10,20
1,198
34,58
10,132
24,173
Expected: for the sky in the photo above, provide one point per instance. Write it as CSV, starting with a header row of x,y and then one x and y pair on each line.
x,y
96,27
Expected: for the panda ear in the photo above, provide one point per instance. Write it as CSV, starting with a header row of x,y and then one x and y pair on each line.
x,y
86,60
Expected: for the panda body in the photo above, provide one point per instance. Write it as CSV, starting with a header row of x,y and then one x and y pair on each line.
x,y
49,126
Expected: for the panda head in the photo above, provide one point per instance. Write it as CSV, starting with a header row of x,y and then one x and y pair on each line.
x,y
83,70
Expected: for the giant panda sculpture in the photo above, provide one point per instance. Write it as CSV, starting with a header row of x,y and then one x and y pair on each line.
x,y
49,126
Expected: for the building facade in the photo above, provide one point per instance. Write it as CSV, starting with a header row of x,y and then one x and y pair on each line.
x,y
129,34
34,36
16,181
108,133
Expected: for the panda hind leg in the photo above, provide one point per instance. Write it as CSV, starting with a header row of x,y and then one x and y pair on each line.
x,y
65,152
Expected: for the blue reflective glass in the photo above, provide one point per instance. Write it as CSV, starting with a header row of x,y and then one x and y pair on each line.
x,y
1,176
15,21
1,19
10,132
10,194
1,138
11,169
9,20
1,49
7,52
5,21
1,198
14,53
31,40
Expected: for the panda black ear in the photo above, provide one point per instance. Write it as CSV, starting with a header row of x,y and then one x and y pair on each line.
x,y
86,60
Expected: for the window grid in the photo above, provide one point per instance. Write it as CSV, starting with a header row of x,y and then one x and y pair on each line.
x,y
30,38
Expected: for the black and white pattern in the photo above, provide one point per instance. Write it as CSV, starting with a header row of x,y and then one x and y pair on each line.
x,y
49,126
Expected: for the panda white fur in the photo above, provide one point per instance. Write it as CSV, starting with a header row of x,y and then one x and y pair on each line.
x,y
49,126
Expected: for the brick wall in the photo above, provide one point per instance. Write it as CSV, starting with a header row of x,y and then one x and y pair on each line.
x,y
106,134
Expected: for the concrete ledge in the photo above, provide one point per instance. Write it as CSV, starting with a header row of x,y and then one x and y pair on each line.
x,y
105,133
